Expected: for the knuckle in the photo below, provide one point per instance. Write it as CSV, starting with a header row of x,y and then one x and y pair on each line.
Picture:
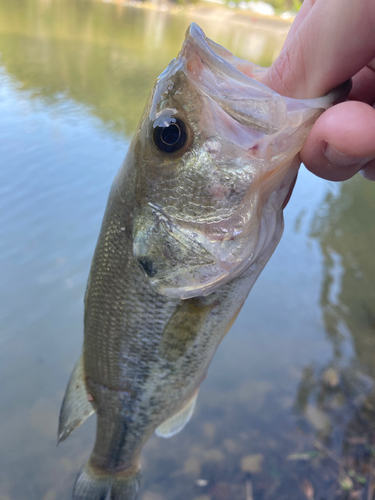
x,y
279,74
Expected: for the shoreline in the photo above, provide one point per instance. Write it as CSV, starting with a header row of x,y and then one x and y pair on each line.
x,y
211,10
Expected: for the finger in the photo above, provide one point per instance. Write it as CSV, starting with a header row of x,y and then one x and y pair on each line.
x,y
333,42
363,85
341,142
302,13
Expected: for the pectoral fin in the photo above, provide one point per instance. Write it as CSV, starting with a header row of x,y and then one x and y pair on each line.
x,y
176,423
75,408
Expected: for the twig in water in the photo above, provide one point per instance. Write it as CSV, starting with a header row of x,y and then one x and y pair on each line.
x,y
308,489
370,486
320,446
249,490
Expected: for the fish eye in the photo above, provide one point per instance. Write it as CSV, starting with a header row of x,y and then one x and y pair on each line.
x,y
172,137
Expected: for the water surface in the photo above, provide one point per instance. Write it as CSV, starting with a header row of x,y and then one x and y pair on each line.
x,y
288,403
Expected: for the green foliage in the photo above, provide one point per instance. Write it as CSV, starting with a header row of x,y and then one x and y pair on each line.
x,y
282,5
285,5
297,4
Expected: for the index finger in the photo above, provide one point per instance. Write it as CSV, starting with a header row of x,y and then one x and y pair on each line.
x,y
332,41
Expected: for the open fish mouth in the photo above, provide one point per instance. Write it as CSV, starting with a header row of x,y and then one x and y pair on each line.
x,y
230,82
235,85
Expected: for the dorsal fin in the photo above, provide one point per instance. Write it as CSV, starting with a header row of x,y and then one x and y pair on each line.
x,y
75,408
176,423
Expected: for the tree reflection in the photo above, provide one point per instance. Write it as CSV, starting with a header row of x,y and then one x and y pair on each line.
x,y
336,403
106,56
347,239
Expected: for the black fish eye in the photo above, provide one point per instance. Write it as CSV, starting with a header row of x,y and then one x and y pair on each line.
x,y
172,137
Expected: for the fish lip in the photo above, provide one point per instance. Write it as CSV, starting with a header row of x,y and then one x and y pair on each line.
x,y
223,60
209,51
214,72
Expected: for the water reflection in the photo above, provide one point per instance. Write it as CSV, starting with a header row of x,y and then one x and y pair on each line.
x,y
346,233
338,399
74,79
106,56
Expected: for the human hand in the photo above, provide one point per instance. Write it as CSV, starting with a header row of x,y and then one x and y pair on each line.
x,y
329,42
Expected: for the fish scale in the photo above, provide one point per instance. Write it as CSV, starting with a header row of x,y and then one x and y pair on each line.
x,y
192,218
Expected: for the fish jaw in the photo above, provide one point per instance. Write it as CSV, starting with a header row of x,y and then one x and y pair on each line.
x,y
218,75
205,213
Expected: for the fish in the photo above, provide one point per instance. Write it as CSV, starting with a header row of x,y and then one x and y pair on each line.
x,y
193,216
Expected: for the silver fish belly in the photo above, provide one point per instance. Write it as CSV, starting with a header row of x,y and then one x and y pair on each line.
x,y
192,218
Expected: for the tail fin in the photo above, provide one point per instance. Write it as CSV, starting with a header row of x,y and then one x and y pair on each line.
x,y
95,485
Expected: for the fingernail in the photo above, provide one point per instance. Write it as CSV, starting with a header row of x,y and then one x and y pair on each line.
x,y
342,159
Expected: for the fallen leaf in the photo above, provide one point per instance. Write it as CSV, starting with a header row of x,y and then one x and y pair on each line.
x,y
308,489
252,463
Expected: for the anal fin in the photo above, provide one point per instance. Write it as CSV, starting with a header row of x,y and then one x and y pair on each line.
x,y
176,423
75,408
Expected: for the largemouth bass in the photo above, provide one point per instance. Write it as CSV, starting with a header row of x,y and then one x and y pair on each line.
x,y
193,216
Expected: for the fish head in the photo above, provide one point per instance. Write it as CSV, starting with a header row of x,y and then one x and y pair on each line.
x,y
215,155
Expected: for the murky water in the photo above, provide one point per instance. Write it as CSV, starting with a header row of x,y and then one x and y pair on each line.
x,y
286,411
